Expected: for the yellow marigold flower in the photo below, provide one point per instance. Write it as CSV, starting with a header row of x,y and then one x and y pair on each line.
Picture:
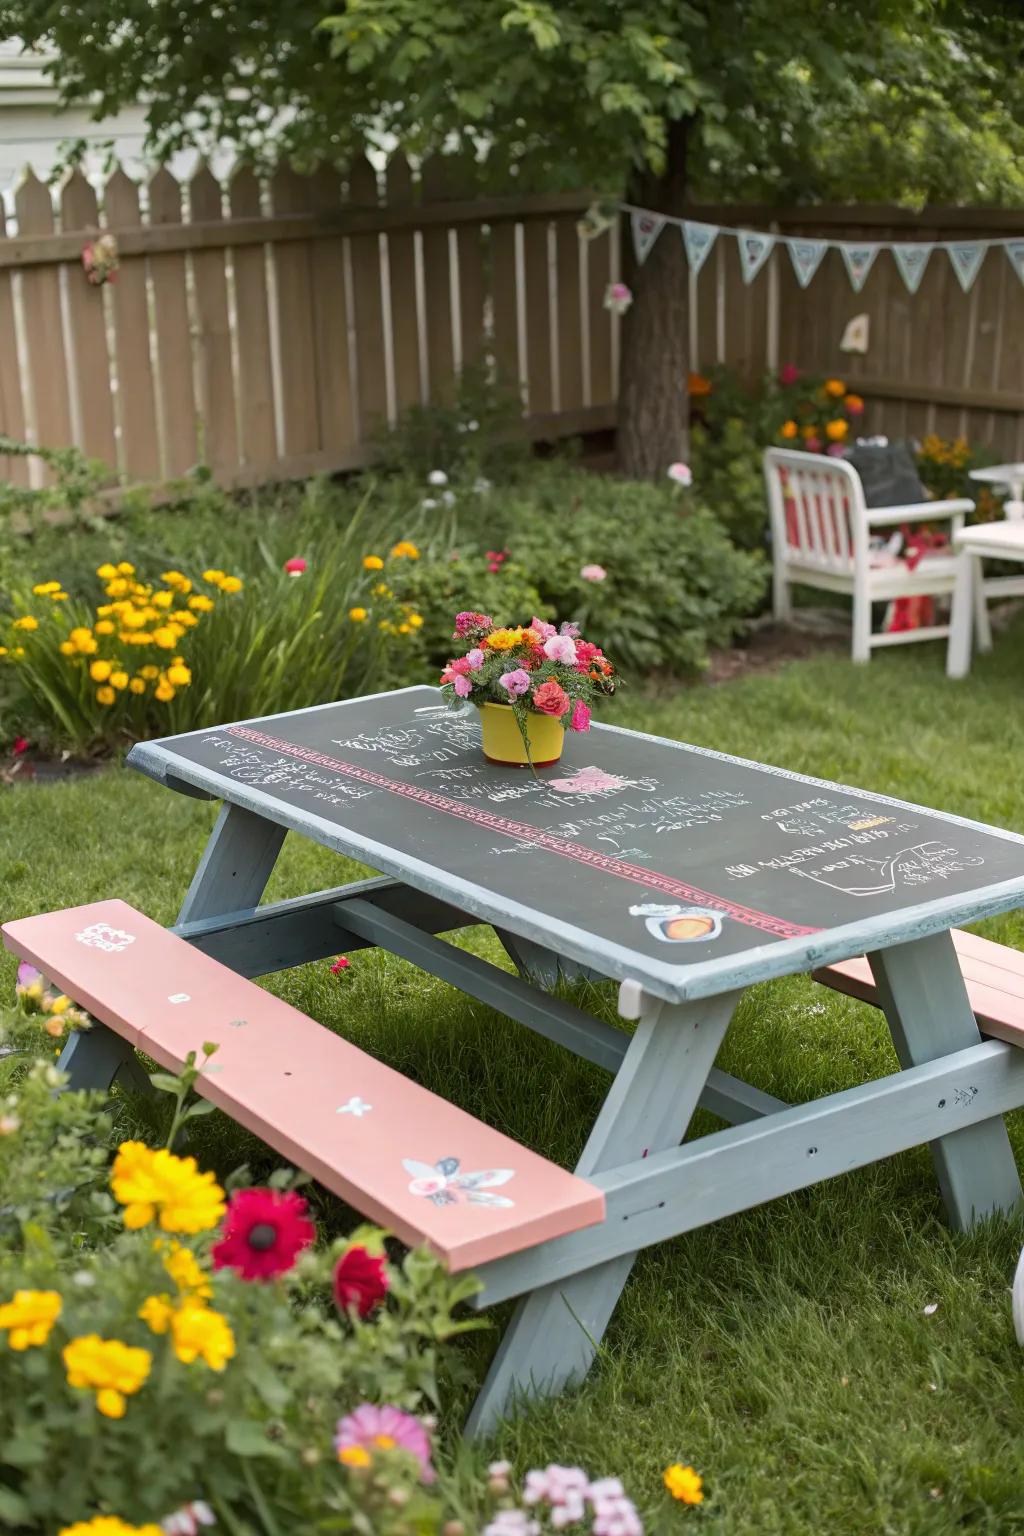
x,y
67,648
149,672
104,627
163,691
355,1456
136,685
124,569
156,1312
179,675
58,1004
837,429
404,550
165,637
835,388
142,638
185,1270
201,603
382,589
357,615
134,618
184,617
405,629
213,577
372,563
27,621
231,584
117,588
416,620
163,599
159,1184
29,1318
199,1333
503,639
44,588
105,695
108,1525
3,649
58,597
684,1484
106,572
83,640
789,429
99,671
119,680
111,1369
176,579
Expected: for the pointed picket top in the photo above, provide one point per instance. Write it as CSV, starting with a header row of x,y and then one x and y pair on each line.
x,y
438,179
362,184
245,196
806,256
966,257
205,196
399,181
326,191
290,192
121,200
1015,256
79,208
164,198
911,258
33,205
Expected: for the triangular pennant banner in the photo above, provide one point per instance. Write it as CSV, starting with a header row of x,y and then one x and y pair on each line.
x,y
806,256
754,251
911,258
646,229
859,260
966,261
1015,251
698,239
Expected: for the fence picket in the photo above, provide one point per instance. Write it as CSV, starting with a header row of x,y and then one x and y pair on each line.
x,y
292,193
369,308
471,249
538,316
330,322
405,329
434,188
136,399
46,349
216,371
89,373
12,409
257,423
601,388
176,402
570,317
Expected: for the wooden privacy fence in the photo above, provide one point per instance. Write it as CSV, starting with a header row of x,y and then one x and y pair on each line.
x,y
269,328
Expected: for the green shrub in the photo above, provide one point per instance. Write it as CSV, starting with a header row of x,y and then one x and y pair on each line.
x,y
478,434
729,479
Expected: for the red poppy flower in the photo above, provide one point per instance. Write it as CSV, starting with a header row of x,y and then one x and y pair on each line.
x,y
360,1281
263,1234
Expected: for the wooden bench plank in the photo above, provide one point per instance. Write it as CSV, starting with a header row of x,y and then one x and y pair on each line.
x,y
399,1154
993,973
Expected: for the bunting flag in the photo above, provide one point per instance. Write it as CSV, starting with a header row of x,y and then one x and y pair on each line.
x,y
859,260
911,258
806,256
754,251
646,229
698,239
1015,251
966,261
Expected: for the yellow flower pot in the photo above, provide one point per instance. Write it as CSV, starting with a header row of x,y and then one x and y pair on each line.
x,y
503,741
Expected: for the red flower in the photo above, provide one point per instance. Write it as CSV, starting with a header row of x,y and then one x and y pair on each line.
x,y
20,745
550,698
341,964
264,1232
295,566
360,1281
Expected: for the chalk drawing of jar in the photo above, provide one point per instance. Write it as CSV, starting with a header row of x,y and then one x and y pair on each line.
x,y
679,925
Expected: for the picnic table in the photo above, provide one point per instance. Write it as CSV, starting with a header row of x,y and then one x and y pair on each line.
x,y
1003,541
683,874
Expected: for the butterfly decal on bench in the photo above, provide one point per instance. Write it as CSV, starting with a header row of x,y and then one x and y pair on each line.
x,y
443,1184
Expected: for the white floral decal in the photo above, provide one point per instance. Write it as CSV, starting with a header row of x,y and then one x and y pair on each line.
x,y
102,936
442,1183
355,1106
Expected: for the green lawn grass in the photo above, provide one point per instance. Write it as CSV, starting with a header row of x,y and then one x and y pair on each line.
x,y
785,1352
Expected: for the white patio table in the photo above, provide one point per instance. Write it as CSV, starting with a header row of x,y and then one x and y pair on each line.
x,y
992,541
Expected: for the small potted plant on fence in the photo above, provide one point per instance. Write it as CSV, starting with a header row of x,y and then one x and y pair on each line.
x,y
530,683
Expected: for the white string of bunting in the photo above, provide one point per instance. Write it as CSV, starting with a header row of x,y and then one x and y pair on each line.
x,y
806,254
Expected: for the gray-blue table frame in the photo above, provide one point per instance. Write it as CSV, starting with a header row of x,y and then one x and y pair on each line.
x,y
952,1088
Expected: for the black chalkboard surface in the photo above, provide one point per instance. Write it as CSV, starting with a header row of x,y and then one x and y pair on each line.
x,y
685,869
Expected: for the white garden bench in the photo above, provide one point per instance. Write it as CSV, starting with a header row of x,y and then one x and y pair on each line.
x,y
398,1154
822,532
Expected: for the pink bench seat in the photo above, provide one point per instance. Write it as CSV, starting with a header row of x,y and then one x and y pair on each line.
x,y
993,973
399,1154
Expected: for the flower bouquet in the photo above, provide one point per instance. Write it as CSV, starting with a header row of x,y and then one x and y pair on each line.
x,y
530,683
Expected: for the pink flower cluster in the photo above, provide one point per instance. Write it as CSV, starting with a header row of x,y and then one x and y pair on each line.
x,y
567,1496
372,1427
529,666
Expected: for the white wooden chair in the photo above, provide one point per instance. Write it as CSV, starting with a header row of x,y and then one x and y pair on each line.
x,y
823,535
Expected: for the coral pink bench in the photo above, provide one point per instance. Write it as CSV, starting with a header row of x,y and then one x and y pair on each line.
x,y
399,1154
994,976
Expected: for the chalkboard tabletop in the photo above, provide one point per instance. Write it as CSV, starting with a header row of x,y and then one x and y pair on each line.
x,y
681,868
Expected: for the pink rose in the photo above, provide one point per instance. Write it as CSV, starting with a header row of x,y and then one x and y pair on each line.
x,y
681,473
463,687
550,699
593,573
516,683
580,717
475,657
560,648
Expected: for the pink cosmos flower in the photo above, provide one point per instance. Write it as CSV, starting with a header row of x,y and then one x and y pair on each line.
x,y
789,374
384,1428
295,566
681,473
580,717
550,699
463,687
593,573
476,658
516,683
560,648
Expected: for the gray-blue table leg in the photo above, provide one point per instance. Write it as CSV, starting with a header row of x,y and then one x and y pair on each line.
x,y
922,992
555,1332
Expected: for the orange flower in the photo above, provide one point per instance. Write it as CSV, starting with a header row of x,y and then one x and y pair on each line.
x,y
835,388
854,405
789,429
836,430
698,384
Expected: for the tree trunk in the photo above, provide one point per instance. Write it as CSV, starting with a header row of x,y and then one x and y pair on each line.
x,y
654,407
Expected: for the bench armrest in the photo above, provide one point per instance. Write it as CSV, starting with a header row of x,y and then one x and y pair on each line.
x,y
920,512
